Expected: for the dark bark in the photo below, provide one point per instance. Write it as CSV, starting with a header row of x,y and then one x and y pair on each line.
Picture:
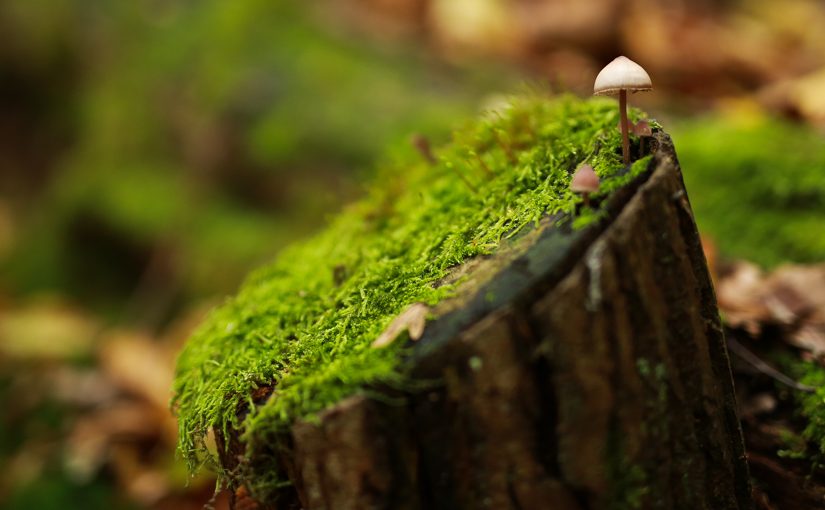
x,y
587,371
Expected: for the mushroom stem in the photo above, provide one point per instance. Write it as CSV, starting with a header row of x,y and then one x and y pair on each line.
x,y
625,139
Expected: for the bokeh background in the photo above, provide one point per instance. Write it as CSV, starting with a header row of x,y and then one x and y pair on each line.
x,y
153,152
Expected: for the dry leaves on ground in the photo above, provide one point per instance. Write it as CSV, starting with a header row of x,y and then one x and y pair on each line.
x,y
112,388
791,298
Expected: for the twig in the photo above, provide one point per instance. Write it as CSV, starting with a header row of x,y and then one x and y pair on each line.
x,y
757,363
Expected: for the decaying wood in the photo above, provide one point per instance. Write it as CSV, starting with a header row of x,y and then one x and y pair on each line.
x,y
587,372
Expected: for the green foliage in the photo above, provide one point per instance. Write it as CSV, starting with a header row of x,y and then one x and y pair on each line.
x,y
52,492
197,122
757,188
294,326
810,407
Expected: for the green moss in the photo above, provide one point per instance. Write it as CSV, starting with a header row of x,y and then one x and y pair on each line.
x,y
297,324
810,407
757,188
630,484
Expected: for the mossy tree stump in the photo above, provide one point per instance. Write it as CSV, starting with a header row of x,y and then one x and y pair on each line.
x,y
572,355
584,370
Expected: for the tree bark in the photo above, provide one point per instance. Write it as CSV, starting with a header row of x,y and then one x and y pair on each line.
x,y
588,371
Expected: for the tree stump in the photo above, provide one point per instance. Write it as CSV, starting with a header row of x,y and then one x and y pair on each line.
x,y
587,370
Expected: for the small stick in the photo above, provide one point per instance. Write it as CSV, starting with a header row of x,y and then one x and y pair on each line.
x,y
753,360
484,165
508,151
422,145
464,179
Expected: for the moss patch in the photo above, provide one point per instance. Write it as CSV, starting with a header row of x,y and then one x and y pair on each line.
x,y
757,187
810,407
305,322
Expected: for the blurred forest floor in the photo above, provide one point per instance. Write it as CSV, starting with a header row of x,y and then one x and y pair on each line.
x,y
152,153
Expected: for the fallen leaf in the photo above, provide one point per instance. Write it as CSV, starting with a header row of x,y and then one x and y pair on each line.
x,y
412,320
791,298
810,337
92,437
137,364
475,25
739,295
80,387
761,403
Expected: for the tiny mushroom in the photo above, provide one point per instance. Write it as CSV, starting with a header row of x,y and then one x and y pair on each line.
x,y
585,181
619,76
641,129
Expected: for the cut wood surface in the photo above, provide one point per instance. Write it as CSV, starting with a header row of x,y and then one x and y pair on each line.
x,y
585,369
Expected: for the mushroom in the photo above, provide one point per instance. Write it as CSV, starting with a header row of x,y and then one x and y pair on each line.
x,y
585,181
641,129
620,76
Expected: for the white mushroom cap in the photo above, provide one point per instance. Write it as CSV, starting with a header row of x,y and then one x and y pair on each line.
x,y
584,180
621,74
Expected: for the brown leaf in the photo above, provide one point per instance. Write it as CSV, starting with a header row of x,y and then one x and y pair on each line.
x,y
807,282
80,387
143,482
792,297
739,294
800,96
810,337
486,25
760,403
412,320
93,435
137,364
784,304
